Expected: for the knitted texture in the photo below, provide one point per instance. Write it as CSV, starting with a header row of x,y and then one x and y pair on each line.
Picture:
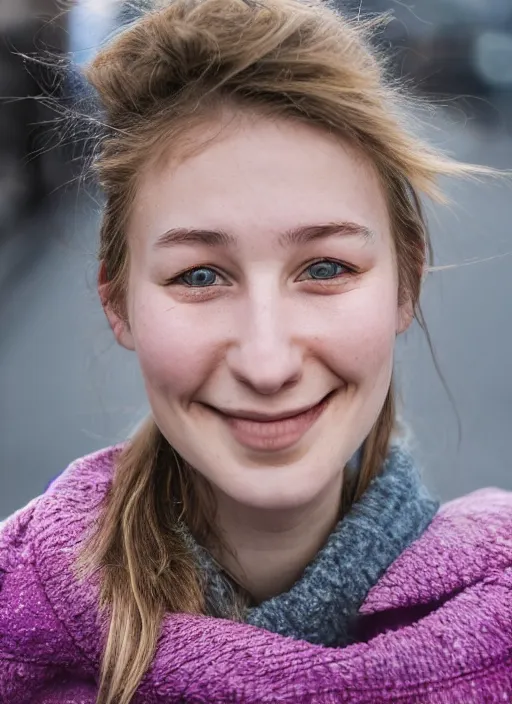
x,y
437,626
323,605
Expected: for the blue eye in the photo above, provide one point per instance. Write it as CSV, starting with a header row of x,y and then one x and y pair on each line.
x,y
200,277
325,269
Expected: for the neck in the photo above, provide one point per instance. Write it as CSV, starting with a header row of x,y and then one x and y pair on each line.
x,y
270,548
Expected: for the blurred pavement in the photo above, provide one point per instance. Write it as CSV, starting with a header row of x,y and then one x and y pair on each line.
x,y
66,389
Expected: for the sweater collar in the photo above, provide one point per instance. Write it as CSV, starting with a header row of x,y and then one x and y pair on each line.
x,y
322,606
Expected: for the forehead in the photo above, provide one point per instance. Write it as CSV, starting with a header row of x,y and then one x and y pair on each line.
x,y
256,176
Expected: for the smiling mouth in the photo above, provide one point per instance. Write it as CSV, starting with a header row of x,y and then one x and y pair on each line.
x,y
260,431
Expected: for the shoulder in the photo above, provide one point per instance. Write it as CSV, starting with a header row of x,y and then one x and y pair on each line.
x,y
480,522
36,548
474,532
79,489
480,503
88,476
468,541
86,480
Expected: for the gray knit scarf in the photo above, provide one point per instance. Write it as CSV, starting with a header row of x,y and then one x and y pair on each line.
x,y
322,606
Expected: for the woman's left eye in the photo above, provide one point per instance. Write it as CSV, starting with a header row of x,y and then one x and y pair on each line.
x,y
200,277
324,270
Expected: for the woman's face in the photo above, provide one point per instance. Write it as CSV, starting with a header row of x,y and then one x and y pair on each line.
x,y
262,305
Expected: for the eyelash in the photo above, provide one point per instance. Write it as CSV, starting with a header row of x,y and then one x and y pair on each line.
x,y
348,271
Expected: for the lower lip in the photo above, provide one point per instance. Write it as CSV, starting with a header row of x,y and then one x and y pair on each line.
x,y
275,434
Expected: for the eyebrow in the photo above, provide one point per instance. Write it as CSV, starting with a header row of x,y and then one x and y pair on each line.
x,y
295,236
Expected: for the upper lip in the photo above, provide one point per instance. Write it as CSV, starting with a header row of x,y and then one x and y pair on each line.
x,y
256,415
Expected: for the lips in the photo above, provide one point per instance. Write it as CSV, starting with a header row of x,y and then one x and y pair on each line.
x,y
266,417
260,431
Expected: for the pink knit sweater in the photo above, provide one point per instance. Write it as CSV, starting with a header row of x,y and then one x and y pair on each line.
x,y
438,625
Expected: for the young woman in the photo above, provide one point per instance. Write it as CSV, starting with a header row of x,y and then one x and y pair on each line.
x,y
264,536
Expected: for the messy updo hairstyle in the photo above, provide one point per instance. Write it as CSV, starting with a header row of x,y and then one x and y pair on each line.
x,y
166,73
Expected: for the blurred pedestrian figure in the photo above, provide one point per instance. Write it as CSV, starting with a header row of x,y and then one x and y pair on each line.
x,y
265,535
89,22
28,169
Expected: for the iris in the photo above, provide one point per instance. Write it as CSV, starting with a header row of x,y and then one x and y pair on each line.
x,y
200,277
325,270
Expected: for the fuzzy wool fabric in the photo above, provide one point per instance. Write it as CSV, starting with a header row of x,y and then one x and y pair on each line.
x,y
323,605
435,629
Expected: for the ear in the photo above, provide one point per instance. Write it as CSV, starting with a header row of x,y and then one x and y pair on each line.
x,y
406,307
119,324
404,317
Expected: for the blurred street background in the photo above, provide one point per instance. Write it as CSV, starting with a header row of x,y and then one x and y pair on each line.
x,y
66,389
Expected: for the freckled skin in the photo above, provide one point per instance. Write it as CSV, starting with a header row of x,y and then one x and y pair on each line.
x,y
266,337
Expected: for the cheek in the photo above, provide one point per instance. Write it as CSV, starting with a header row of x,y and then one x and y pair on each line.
x,y
172,348
358,338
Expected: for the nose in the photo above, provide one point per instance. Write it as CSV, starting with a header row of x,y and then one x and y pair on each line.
x,y
265,356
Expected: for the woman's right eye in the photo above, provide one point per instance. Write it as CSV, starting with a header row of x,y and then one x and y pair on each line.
x,y
200,277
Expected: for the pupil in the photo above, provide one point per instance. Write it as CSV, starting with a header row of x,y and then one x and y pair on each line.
x,y
323,270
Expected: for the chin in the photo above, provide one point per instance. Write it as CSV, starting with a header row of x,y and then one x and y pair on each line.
x,y
268,502
278,488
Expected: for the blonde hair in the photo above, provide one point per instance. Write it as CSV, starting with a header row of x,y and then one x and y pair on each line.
x,y
159,77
